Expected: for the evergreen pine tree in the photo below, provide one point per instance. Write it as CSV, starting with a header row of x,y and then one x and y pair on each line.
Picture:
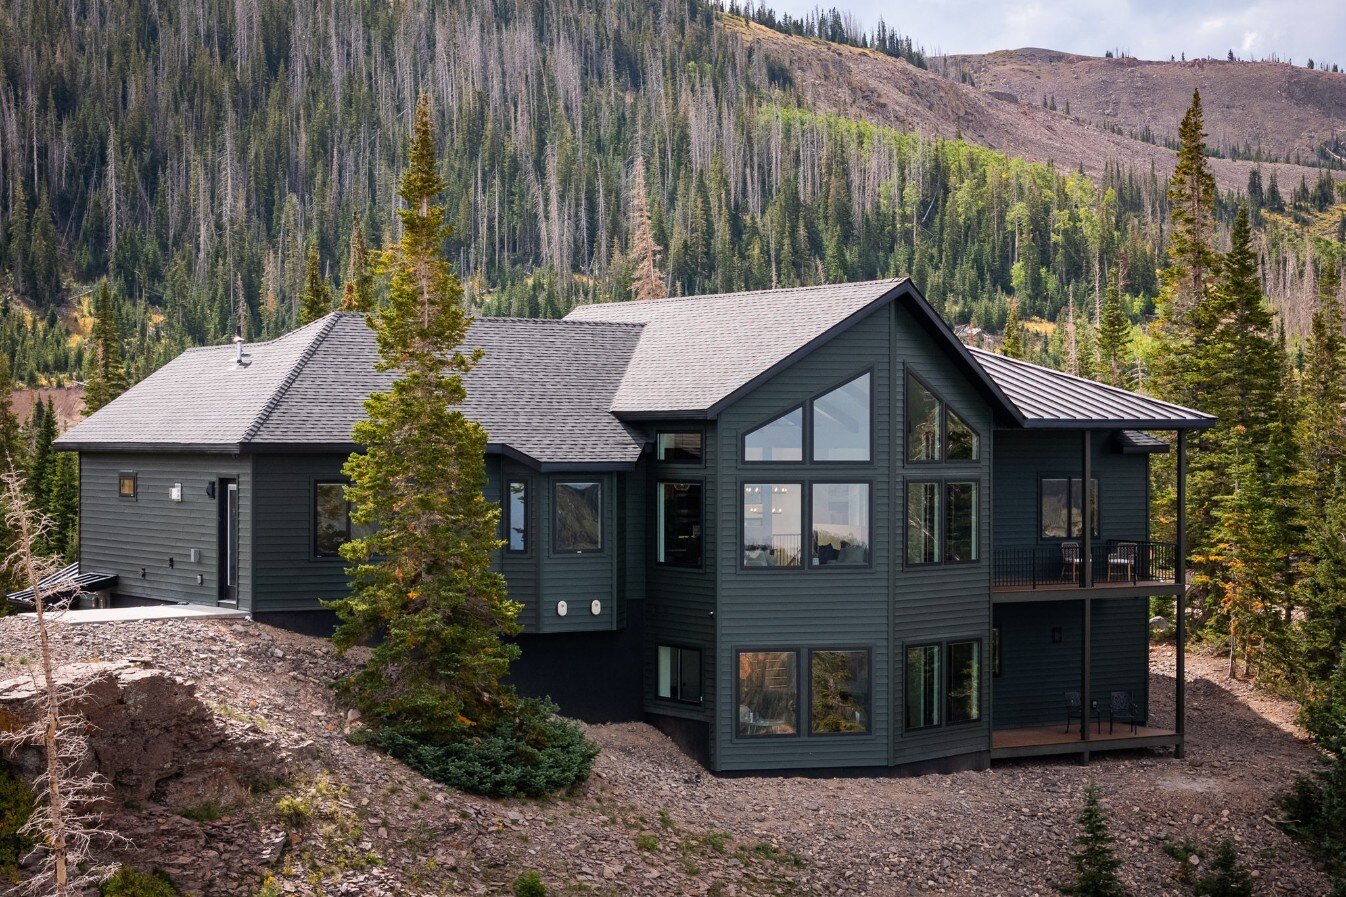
x,y
1322,431
11,436
1321,594
357,293
60,502
44,270
16,252
1013,345
107,372
422,579
317,298
1115,355
42,428
1095,864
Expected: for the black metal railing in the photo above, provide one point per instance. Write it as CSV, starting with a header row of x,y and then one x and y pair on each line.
x,y
1115,562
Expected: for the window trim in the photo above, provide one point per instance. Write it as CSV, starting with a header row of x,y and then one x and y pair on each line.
x,y
602,548
945,677
700,566
944,410
1098,507
808,521
948,679
743,523
528,516
701,431
135,485
807,730
809,448
313,521
678,646
939,699
943,483
799,693
802,408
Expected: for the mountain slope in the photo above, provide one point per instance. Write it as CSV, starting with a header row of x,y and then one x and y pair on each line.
x,y
865,84
1268,109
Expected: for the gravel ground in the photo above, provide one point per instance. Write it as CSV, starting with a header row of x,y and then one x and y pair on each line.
x,y
652,822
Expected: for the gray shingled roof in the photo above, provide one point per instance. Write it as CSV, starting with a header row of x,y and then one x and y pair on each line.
x,y
1048,398
698,351
542,390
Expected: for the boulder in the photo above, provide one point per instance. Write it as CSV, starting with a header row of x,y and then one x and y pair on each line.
x,y
150,737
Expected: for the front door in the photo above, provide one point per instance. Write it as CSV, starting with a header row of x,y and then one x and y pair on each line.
x,y
228,548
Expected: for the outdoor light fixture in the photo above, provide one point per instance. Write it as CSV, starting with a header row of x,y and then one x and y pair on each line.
x,y
596,607
562,608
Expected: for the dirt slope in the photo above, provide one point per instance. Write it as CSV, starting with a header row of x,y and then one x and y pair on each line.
x,y
1286,111
870,86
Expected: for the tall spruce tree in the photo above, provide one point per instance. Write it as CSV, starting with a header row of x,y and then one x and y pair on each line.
x,y
42,432
1115,354
317,298
107,372
357,293
1322,430
1013,345
422,579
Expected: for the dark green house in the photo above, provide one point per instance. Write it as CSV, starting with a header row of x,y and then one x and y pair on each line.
x,y
795,529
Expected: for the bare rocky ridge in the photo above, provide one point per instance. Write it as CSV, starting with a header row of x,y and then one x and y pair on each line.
x,y
652,822
870,86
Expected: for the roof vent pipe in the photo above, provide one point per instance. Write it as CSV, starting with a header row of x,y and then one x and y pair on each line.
x,y
238,348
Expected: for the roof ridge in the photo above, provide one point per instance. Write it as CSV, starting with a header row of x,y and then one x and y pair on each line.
x,y
797,289
1097,383
281,388
569,321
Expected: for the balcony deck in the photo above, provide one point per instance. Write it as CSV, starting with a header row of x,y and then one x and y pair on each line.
x,y
1044,741
1120,567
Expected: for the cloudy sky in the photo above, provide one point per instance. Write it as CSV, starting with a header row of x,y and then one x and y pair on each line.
x,y
1150,29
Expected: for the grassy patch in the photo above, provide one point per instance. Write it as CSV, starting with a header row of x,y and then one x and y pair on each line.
x,y
647,842
207,811
127,882
765,851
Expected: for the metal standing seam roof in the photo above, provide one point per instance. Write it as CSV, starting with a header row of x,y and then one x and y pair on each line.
x,y
1046,398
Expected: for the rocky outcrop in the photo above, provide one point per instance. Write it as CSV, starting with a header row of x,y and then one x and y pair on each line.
x,y
150,736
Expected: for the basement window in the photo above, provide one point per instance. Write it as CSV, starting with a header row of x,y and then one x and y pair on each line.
x,y
680,674
126,485
768,693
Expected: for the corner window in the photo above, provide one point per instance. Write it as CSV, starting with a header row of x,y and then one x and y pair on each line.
x,y
1062,508
841,422
126,485
516,517
768,693
678,511
923,545
839,692
331,519
578,517
773,517
779,440
679,448
840,525
960,522
924,423
922,687
680,674
964,682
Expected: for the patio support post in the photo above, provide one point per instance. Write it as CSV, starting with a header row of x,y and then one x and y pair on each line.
x,y
1180,579
1087,515
1086,581
1086,659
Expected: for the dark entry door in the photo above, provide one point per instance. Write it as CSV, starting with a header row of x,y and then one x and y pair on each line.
x,y
228,549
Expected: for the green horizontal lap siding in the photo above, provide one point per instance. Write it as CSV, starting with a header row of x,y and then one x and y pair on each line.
x,y
942,602
288,576
802,608
1037,672
1023,458
681,606
520,568
122,536
579,579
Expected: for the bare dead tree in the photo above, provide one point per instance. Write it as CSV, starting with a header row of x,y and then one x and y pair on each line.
x,y
68,824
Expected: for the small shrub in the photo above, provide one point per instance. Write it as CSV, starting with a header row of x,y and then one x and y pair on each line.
x,y
16,805
295,810
647,842
1224,876
209,811
127,882
1095,864
773,853
529,753
529,884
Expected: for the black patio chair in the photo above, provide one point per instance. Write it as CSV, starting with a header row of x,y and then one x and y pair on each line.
x,y
1123,709
1075,711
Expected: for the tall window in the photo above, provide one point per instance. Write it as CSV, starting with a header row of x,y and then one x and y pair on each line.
x,y
839,690
935,432
964,682
768,693
1063,508
579,517
678,524
779,440
516,517
841,422
922,687
681,448
331,519
840,524
773,517
923,546
680,674
960,522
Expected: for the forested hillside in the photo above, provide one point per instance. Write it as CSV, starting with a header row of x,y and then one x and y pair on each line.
x,y
198,153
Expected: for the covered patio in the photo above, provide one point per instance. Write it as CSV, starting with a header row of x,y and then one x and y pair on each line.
x,y
1042,741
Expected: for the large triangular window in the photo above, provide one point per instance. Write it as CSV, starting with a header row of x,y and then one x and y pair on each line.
x,y
841,422
782,439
